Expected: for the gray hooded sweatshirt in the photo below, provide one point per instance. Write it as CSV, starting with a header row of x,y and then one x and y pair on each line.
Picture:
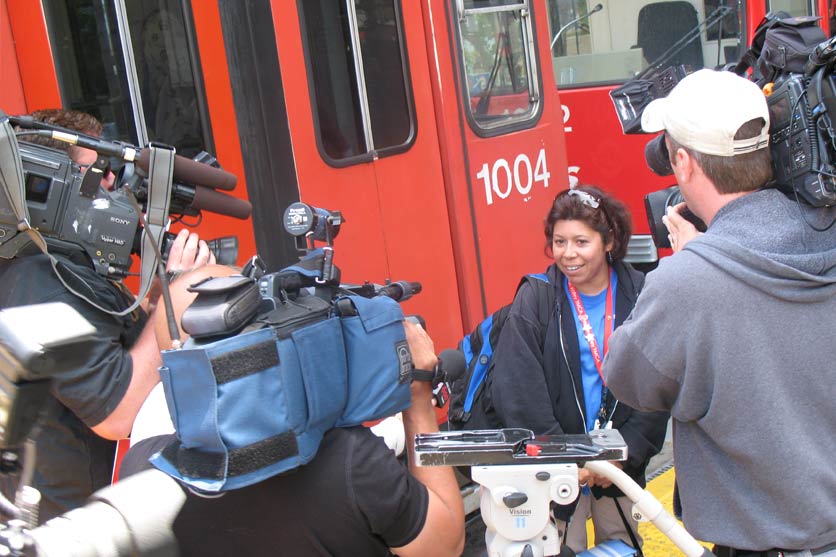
x,y
736,337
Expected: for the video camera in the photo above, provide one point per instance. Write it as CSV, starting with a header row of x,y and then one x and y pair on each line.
x,y
802,110
282,358
134,517
68,206
32,351
308,225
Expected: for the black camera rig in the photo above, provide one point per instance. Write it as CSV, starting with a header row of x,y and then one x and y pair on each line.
x,y
67,204
802,111
225,305
316,269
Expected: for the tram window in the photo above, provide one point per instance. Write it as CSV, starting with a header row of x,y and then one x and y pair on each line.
x,y
170,82
620,40
727,28
792,7
500,68
360,86
156,94
89,64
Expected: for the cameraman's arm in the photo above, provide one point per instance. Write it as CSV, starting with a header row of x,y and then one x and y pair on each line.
x,y
443,531
188,252
146,359
145,353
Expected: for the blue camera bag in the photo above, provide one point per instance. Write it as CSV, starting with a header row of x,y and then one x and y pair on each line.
x,y
378,360
257,404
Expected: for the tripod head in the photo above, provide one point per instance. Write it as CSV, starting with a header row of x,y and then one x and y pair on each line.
x,y
520,475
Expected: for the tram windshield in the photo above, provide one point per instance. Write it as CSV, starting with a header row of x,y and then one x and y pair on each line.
x,y
611,41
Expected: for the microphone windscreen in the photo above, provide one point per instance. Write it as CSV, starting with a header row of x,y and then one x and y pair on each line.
x,y
206,199
193,172
453,364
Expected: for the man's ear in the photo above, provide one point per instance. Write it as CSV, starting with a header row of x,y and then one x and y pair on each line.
x,y
683,164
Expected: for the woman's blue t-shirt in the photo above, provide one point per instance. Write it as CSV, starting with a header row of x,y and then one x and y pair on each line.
x,y
595,307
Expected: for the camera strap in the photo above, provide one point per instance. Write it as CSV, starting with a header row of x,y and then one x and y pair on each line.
x,y
17,237
160,174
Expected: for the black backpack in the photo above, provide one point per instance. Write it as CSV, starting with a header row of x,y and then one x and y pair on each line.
x,y
470,400
780,45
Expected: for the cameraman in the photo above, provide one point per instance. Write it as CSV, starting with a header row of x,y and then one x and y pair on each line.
x,y
353,498
733,334
96,402
78,121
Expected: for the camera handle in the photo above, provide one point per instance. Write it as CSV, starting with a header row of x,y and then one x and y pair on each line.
x,y
647,508
515,507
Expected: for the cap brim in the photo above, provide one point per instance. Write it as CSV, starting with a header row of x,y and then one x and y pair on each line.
x,y
653,116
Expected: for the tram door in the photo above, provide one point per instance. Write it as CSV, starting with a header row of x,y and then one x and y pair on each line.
x,y
364,142
510,125
430,124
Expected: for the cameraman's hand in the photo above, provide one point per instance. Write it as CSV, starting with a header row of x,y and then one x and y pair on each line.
x,y
680,231
423,357
443,530
188,252
420,345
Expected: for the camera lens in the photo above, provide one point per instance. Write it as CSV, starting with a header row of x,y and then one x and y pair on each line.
x,y
656,156
225,249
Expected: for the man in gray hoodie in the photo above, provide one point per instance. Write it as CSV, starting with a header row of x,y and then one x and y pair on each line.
x,y
734,334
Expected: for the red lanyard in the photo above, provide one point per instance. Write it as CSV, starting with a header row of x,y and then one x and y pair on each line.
x,y
588,333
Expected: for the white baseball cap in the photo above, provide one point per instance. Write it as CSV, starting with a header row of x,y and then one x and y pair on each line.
x,y
705,110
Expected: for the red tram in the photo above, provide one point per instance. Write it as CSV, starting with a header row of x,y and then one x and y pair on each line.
x,y
441,129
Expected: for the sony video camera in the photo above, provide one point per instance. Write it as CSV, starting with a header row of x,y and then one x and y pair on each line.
x,y
104,224
71,210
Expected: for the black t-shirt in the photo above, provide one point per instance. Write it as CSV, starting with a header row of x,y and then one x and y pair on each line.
x,y
353,499
72,462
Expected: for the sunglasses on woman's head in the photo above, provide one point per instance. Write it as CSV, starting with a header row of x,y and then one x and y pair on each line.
x,y
586,198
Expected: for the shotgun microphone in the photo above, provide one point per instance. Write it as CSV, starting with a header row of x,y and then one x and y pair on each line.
x,y
185,169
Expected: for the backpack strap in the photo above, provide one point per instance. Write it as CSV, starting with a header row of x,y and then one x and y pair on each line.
x,y
545,298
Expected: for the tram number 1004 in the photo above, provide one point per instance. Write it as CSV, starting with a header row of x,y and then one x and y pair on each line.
x,y
502,178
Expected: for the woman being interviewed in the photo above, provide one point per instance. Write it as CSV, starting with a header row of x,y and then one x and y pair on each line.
x,y
551,383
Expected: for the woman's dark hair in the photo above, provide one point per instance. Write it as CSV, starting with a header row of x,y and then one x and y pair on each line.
x,y
610,218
